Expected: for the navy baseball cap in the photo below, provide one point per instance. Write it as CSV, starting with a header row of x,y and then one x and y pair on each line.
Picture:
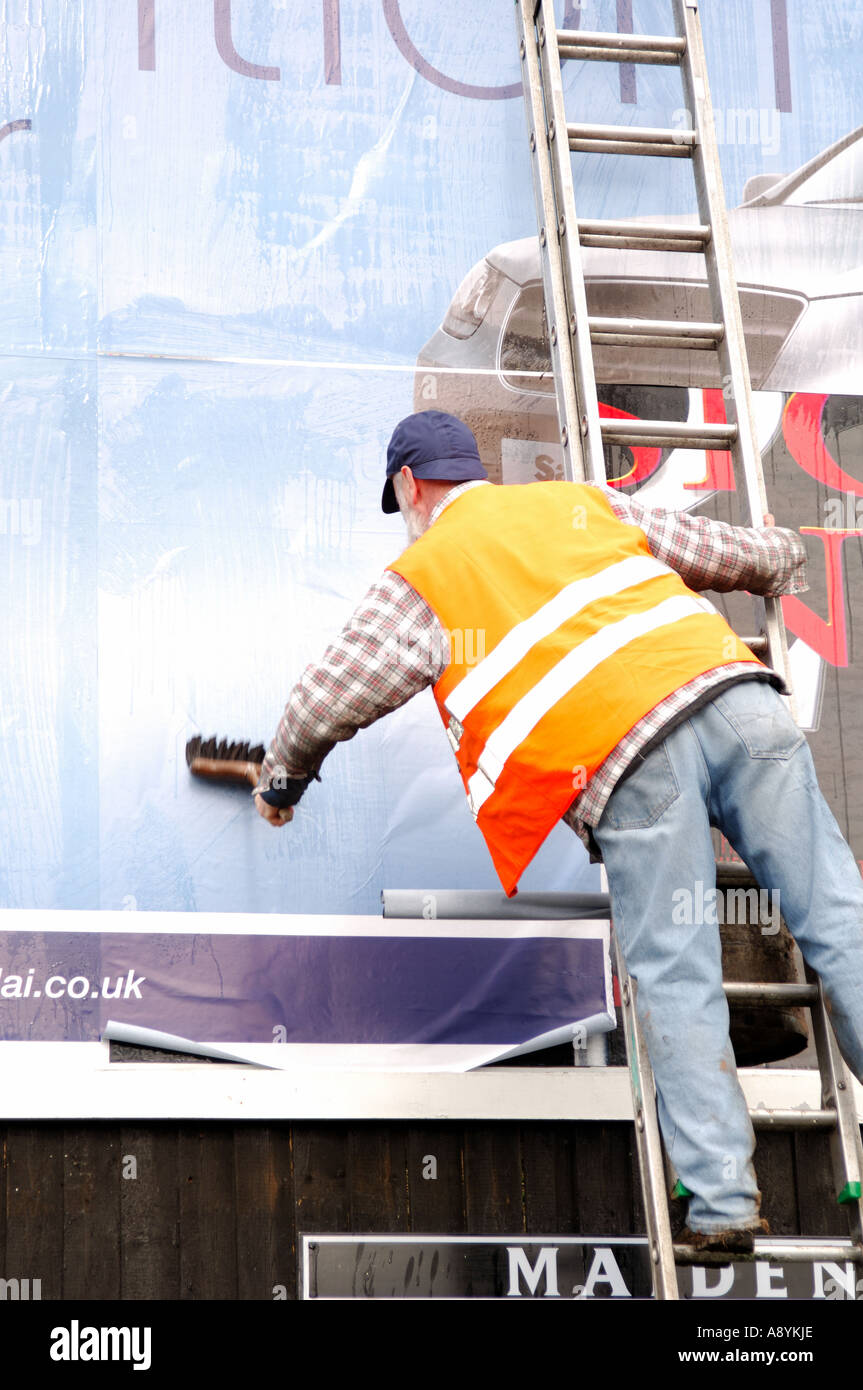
x,y
433,445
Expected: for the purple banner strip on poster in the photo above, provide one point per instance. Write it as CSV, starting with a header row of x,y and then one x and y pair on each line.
x,y
429,989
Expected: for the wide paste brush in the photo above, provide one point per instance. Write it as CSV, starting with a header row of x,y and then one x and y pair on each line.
x,y
220,760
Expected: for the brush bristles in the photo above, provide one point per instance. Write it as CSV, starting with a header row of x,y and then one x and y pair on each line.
x,y
224,750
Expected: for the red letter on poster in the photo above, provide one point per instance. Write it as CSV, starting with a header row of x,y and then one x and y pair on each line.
x,y
828,638
801,425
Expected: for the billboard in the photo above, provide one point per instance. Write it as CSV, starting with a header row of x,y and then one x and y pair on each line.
x,y
241,239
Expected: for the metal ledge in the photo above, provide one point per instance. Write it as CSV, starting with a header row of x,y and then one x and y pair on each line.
x,y
51,1081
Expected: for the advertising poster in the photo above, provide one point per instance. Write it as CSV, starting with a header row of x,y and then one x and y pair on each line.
x,y
239,241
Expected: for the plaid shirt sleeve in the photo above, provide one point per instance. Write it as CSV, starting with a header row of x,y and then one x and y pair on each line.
x,y
392,647
713,555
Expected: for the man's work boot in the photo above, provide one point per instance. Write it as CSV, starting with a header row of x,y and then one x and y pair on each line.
x,y
731,1242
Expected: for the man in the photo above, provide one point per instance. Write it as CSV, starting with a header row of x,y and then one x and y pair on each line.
x,y
589,682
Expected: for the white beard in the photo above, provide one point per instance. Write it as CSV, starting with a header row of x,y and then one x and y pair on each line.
x,y
414,527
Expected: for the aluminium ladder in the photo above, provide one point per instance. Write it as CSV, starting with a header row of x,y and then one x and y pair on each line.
x,y
836,1114
572,332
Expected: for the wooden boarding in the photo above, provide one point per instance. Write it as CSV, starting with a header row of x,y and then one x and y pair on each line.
x,y
216,1209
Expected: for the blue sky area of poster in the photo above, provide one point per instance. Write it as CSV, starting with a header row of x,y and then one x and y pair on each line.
x,y
224,237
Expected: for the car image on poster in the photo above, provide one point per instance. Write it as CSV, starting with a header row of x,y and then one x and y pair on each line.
x,y
797,243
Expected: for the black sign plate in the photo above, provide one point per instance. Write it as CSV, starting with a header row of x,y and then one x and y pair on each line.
x,y
578,1267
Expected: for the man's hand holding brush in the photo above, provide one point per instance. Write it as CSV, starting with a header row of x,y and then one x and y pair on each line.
x,y
276,815
219,760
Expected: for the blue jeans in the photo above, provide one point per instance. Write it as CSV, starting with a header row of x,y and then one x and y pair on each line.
x,y
739,763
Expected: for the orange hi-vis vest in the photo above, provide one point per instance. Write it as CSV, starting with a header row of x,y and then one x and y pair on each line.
x,y
564,631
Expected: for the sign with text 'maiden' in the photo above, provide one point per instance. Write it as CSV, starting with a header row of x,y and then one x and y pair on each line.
x,y
578,1267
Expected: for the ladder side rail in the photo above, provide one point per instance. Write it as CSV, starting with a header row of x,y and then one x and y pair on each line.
x,y
652,1161
725,305
575,324
568,410
837,1093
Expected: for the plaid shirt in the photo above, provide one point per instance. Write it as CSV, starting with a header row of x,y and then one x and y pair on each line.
x,y
393,646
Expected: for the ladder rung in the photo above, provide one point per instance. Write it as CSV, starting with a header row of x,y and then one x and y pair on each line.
x,y
619,48
645,340
768,993
793,1119
666,333
646,236
631,139
755,644
796,1252
619,55
667,433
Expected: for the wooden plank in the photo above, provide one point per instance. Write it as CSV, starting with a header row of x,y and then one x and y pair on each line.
x,y
434,1157
607,1195
34,1206
547,1157
149,1212
266,1239
321,1196
377,1177
639,1220
819,1212
320,1180
774,1166
208,1247
91,1212
492,1178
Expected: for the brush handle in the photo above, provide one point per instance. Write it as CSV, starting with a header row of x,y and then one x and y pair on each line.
x,y
224,770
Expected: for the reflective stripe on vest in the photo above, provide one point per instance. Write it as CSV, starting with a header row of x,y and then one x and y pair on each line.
x,y
562,678
566,604
583,633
